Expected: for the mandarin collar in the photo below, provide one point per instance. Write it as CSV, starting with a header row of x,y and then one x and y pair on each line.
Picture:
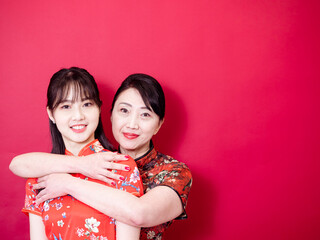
x,y
83,150
147,157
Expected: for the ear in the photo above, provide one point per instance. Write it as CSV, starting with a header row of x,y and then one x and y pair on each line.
x,y
159,126
50,115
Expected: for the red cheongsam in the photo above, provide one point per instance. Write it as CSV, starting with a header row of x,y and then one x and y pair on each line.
x,y
67,218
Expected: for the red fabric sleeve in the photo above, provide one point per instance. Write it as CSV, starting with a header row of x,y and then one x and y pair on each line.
x,y
179,178
29,203
132,181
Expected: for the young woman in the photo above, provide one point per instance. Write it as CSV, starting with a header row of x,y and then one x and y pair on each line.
x,y
73,108
138,111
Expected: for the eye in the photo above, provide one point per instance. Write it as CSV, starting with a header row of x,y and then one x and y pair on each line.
x,y
88,104
124,110
65,106
146,115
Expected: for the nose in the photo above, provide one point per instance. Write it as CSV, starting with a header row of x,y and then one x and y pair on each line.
x,y
133,122
78,114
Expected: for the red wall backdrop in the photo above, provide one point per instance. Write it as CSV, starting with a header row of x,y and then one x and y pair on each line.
x,y
242,85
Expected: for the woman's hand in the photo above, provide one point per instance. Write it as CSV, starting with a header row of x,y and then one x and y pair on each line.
x,y
101,165
52,185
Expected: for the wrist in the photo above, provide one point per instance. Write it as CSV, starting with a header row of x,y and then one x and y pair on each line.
x,y
80,165
69,184
75,164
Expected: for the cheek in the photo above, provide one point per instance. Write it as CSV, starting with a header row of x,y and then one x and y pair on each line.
x,y
115,126
60,120
61,126
93,116
150,129
117,122
97,118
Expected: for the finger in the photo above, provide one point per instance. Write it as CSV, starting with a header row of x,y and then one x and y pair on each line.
x,y
112,175
121,157
41,200
106,180
117,166
41,179
41,194
41,197
38,186
114,157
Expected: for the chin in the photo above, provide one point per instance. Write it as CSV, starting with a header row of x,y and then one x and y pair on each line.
x,y
127,147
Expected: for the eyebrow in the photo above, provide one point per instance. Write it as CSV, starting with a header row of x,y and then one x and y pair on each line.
x,y
128,104
66,101
72,100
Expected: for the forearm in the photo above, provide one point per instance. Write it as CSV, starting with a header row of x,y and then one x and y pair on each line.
x,y
37,228
115,203
39,164
159,205
127,232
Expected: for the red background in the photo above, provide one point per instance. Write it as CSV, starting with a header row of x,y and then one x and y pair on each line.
x,y
242,85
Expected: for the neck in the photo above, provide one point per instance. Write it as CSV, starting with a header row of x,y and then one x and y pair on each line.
x,y
135,153
75,148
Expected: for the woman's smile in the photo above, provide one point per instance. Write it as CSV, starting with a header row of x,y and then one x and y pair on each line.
x,y
79,128
133,123
76,119
130,135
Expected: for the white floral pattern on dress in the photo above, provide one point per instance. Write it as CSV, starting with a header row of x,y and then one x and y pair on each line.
x,y
60,223
151,234
58,206
80,232
134,177
46,206
92,224
97,147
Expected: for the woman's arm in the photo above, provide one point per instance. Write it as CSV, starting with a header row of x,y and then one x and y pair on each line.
x,y
127,232
37,229
159,205
95,166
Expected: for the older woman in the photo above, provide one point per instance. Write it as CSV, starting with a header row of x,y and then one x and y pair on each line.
x,y
138,111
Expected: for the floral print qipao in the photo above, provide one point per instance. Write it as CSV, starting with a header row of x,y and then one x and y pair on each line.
x,y
157,169
67,218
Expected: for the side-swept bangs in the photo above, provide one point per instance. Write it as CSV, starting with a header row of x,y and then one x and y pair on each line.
x,y
83,85
80,82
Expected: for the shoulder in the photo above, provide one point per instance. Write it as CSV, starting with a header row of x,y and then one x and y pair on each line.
x,y
167,162
165,169
31,181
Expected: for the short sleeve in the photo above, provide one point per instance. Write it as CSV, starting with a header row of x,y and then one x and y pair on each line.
x,y
132,181
177,176
179,179
29,203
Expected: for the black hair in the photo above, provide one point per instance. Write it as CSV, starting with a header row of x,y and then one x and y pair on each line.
x,y
150,90
84,85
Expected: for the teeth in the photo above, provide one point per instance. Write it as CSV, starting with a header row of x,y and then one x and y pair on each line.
x,y
77,127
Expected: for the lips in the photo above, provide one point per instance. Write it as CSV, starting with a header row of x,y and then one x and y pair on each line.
x,y
78,128
130,135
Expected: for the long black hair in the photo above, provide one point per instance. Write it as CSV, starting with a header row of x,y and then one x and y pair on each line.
x,y
84,85
150,90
